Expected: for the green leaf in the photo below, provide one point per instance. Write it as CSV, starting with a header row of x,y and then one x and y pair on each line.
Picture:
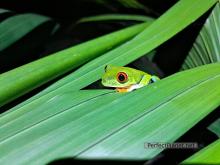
x,y
27,77
208,155
16,27
66,99
107,17
109,124
206,48
172,22
215,127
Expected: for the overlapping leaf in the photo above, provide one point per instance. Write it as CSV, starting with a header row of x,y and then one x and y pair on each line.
x,y
173,21
105,124
110,126
107,17
208,155
27,77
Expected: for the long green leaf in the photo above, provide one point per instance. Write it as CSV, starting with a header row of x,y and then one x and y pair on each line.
x,y
50,108
112,125
208,155
16,27
107,17
206,48
27,77
215,127
173,21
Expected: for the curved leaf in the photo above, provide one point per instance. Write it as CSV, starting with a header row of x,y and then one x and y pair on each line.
x,y
107,17
173,21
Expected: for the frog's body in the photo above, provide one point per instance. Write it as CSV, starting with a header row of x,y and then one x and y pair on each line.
x,y
126,79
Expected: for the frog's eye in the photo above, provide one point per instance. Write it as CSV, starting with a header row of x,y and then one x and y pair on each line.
x,y
122,77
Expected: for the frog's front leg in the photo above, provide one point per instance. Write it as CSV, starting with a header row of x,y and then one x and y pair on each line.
x,y
145,80
133,87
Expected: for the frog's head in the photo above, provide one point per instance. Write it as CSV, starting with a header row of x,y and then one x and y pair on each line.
x,y
116,76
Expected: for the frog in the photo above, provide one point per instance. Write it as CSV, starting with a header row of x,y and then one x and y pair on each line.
x,y
126,79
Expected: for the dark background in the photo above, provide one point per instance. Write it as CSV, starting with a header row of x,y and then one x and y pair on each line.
x,y
168,59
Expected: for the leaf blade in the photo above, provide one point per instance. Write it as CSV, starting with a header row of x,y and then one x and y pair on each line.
x,y
160,31
88,125
206,48
208,155
107,17
15,27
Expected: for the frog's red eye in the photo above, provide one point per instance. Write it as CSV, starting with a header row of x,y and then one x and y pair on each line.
x,y
122,77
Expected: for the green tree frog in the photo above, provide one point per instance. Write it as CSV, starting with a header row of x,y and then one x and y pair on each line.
x,y
126,79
